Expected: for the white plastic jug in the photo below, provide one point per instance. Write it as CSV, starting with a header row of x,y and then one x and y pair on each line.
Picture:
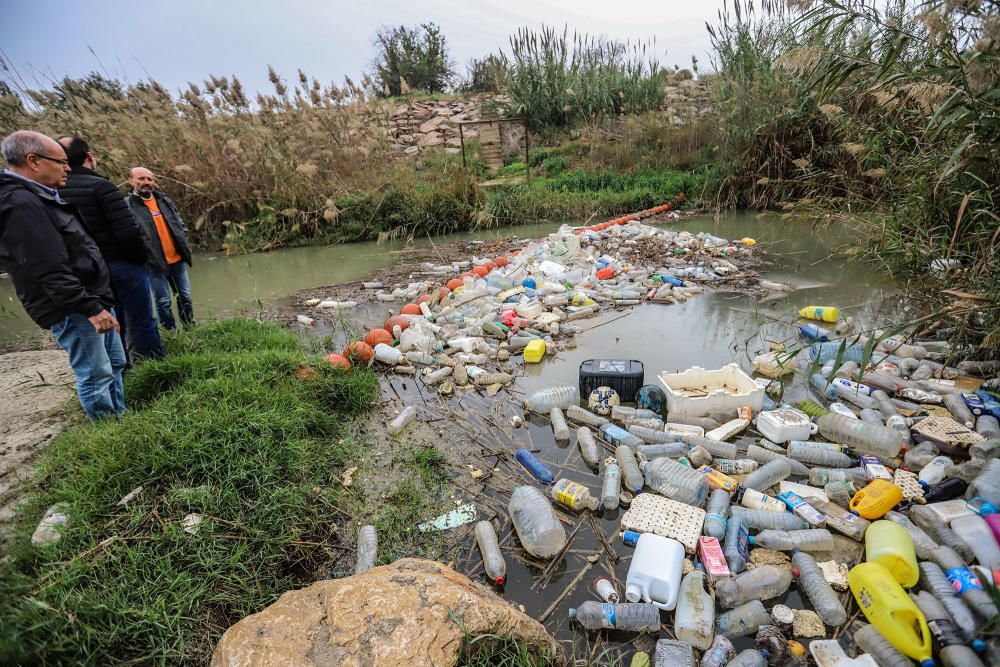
x,y
655,573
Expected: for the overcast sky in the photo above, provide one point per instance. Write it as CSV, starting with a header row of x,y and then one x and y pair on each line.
x,y
176,41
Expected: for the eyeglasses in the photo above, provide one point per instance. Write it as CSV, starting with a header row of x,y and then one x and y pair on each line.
x,y
64,163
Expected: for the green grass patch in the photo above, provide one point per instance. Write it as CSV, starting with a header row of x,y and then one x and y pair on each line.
x,y
223,429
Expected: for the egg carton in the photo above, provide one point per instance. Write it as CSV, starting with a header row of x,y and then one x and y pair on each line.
x,y
909,483
947,431
652,513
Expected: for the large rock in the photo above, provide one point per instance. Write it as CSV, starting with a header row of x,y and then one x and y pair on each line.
x,y
399,614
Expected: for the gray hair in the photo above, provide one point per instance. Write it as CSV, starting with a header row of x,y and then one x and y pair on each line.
x,y
18,145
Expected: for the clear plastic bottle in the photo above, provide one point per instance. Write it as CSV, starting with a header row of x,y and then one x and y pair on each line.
x,y
936,469
840,493
652,436
695,614
811,582
878,440
736,544
573,495
934,581
387,354
611,487
965,582
419,357
736,466
748,658
489,547
553,397
762,455
589,450
536,524
885,405
670,450
839,519
988,449
616,435
920,455
671,653
976,533
634,616
367,549
631,475
723,450
932,524
768,475
988,426
816,454
763,519
762,583
987,483
583,416
944,631
872,416
719,653
959,410
559,428
675,481
823,476
698,456
716,513
408,414
871,641
815,539
742,621
923,545
622,412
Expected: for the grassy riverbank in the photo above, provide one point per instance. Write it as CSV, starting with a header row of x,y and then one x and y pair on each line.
x,y
229,428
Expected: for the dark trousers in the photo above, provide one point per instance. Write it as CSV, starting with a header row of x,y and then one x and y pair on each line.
x,y
174,280
130,283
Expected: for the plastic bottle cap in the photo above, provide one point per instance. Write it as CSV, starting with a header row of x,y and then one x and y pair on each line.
x,y
499,581
752,540
572,613
928,663
978,645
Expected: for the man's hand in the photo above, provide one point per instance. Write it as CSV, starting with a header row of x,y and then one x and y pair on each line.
x,y
104,322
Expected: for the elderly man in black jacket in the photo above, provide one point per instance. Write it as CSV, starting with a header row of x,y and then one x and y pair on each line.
x,y
122,244
57,269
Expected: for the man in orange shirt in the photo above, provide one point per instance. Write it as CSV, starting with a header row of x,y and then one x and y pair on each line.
x,y
169,254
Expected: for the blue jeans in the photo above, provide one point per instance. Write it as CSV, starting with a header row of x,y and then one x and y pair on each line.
x,y
97,360
135,311
175,280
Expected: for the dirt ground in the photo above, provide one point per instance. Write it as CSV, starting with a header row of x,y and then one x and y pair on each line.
x,y
38,394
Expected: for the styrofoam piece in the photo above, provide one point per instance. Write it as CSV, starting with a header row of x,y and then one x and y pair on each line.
x,y
697,392
803,490
652,513
909,483
728,430
785,424
683,429
939,429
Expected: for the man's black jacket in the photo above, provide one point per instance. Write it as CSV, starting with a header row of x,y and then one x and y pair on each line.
x,y
106,215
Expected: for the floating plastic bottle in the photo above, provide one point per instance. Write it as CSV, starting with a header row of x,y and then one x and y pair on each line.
x,y
815,539
553,397
814,332
694,617
756,500
631,474
536,524
879,440
763,455
742,621
823,386
763,519
387,354
616,435
611,486
652,436
966,584
886,606
489,547
367,549
936,469
575,496
820,313
723,450
813,584
934,581
923,545
676,481
957,407
670,450
671,653
871,641
589,450
946,634
584,416
736,544
716,512
762,583
839,519
719,653
978,536
408,414
932,524
768,475
637,617
531,463
815,454
559,428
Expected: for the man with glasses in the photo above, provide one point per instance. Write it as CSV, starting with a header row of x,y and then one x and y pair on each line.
x,y
57,269
169,253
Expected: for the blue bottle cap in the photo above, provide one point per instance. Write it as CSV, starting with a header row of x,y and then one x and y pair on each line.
x,y
978,645
751,540
928,663
630,537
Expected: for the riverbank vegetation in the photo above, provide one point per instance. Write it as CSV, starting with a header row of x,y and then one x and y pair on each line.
x,y
247,428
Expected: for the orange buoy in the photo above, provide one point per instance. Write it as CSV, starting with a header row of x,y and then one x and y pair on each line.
x,y
606,273
501,261
443,293
376,336
338,361
481,271
455,283
395,320
489,264
359,351
410,309
470,274
422,298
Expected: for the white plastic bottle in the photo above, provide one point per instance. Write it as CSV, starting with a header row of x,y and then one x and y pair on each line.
x,y
536,524
654,575
694,620
367,549
936,470
408,414
553,397
762,583
584,416
976,533
756,500
560,430
387,354
489,546
588,447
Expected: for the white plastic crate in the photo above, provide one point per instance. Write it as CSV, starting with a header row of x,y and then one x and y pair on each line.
x,y
697,392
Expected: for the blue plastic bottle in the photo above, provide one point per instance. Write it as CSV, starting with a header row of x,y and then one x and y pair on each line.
x,y
813,332
824,352
736,549
670,280
823,386
535,467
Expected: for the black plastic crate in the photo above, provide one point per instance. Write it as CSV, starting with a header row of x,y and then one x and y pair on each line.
x,y
625,376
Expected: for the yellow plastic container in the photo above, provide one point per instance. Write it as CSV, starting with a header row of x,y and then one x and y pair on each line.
x,y
534,351
874,500
887,607
821,313
889,545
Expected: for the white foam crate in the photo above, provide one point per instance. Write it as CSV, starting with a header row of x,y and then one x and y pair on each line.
x,y
697,392
652,513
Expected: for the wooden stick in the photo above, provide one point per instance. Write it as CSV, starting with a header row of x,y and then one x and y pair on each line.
x,y
570,586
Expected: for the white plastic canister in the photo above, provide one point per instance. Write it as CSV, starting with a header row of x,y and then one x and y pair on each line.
x,y
654,575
